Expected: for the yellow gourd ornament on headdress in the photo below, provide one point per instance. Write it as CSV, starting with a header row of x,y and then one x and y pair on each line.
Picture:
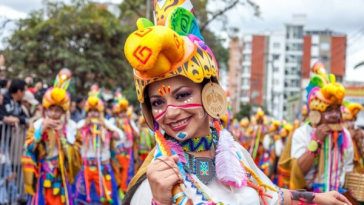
x,y
274,126
350,110
323,90
285,130
94,100
57,95
120,104
244,122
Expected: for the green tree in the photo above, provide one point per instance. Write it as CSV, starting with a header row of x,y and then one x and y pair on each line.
x,y
83,37
245,110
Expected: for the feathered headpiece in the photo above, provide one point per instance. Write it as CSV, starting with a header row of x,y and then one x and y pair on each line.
x,y
58,95
94,100
350,110
120,103
323,90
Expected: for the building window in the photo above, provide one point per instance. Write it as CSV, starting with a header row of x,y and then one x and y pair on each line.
x,y
276,45
248,46
325,46
275,56
246,81
245,93
275,69
247,58
275,82
324,58
246,69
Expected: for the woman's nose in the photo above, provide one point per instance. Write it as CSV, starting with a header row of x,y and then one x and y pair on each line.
x,y
172,112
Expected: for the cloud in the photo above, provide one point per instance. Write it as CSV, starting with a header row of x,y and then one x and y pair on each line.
x,y
10,13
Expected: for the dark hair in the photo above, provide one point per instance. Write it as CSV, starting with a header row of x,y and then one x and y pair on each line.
x,y
3,82
17,84
79,99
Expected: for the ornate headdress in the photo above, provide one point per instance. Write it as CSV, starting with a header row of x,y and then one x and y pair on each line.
x,y
274,126
173,48
120,103
323,91
260,114
285,130
244,122
58,95
350,110
304,110
94,100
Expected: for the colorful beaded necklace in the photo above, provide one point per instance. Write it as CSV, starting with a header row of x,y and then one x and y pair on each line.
x,y
196,144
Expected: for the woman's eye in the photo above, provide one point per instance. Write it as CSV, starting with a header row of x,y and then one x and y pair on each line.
x,y
182,95
157,103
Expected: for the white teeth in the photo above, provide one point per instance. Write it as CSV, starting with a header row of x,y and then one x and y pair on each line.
x,y
179,123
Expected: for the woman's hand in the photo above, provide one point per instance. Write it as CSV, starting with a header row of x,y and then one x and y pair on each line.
x,y
163,174
331,198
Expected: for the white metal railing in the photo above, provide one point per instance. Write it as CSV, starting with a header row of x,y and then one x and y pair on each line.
x,y
12,139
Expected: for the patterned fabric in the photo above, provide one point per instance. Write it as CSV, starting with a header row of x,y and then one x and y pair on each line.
x,y
204,168
196,144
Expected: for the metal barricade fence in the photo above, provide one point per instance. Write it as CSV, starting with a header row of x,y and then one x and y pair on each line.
x,y
12,139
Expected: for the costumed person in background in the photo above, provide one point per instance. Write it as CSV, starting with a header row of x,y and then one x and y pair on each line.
x,y
235,130
245,136
177,85
256,148
304,114
51,158
146,140
285,133
128,156
271,143
321,151
349,112
96,183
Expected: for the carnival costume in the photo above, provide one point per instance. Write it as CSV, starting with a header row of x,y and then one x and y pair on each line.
x,y
176,48
272,145
146,141
51,162
334,156
128,156
246,133
96,183
256,147
349,113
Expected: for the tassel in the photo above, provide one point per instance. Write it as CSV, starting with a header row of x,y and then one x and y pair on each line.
x,y
228,167
178,150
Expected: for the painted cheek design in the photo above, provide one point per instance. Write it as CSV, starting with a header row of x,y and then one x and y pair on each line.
x,y
201,114
182,135
327,116
157,111
189,100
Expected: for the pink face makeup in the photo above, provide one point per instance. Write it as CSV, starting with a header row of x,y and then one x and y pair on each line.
x,y
333,114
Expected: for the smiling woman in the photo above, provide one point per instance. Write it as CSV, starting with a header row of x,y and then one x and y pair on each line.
x,y
176,78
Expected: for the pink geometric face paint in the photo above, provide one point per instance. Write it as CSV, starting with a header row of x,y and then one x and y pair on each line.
x,y
333,114
187,106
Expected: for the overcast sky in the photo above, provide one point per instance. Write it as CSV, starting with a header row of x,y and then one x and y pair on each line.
x,y
338,15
